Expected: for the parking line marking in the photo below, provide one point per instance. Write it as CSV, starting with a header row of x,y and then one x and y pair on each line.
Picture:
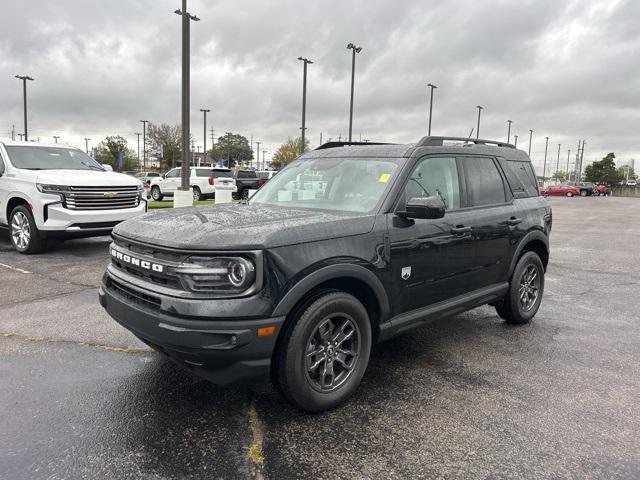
x,y
16,269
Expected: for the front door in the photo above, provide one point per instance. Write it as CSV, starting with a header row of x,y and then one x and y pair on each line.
x,y
430,259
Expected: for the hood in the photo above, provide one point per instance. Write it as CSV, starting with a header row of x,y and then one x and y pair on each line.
x,y
85,178
232,226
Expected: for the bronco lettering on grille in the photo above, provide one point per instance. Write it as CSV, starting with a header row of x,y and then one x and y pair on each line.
x,y
123,257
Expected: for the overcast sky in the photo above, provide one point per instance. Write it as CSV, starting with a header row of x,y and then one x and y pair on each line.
x,y
567,70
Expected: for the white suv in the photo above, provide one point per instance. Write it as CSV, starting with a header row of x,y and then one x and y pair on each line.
x,y
51,190
203,180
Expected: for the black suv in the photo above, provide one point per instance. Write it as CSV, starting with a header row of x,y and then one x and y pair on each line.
x,y
347,246
246,180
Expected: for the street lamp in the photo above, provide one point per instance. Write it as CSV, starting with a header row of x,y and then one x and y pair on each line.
x,y
544,169
568,156
205,111
263,163
258,154
305,61
138,135
432,87
354,50
509,130
56,137
480,108
86,144
186,21
144,143
24,79
530,138
558,162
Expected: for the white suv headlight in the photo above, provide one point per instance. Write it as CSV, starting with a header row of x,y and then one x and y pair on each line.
x,y
217,274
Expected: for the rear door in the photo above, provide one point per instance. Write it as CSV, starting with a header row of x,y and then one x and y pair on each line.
x,y
493,219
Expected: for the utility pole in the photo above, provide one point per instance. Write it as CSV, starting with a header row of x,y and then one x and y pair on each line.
x,y
251,161
581,160
56,137
24,79
544,170
568,155
530,138
515,143
144,143
432,87
258,154
305,62
575,165
212,138
509,130
13,132
228,135
480,108
263,163
86,144
320,138
186,73
558,162
138,135
354,50
205,111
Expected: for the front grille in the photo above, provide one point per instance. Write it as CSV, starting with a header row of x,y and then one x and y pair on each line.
x,y
149,301
101,198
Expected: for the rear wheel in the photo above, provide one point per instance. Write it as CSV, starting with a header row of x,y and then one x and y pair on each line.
x,y
25,236
324,352
583,193
525,291
197,194
569,194
156,194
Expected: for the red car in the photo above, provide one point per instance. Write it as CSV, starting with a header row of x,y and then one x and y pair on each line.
x,y
563,190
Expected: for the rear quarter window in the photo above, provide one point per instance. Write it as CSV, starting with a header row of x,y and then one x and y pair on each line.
x,y
521,178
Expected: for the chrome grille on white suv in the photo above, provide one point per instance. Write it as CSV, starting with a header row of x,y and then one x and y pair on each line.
x,y
102,198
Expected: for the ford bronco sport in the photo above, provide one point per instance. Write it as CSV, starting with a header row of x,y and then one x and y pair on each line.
x,y
349,245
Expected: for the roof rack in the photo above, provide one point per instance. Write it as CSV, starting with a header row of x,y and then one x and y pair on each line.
x,y
439,141
345,144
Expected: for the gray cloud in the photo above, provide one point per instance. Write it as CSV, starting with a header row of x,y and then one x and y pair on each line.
x,y
567,70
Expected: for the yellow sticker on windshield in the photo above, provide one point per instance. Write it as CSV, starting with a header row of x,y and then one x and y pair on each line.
x,y
54,154
384,178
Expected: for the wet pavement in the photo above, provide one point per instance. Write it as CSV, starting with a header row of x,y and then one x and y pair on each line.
x,y
465,397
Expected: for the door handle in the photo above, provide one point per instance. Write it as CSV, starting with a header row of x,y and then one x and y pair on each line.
x,y
461,230
513,221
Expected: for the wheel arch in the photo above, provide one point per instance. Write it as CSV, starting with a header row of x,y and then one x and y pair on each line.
x,y
534,241
13,201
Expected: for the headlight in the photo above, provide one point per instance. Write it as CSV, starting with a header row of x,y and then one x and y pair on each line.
x,y
56,189
141,192
217,274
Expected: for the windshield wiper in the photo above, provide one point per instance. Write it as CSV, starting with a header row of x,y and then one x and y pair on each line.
x,y
95,167
420,185
444,200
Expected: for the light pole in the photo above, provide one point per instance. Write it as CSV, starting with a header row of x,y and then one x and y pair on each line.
x,y
263,154
258,154
186,22
558,162
138,135
354,50
432,87
530,138
568,155
515,141
205,111
24,79
86,144
56,137
480,108
144,143
509,130
544,169
305,62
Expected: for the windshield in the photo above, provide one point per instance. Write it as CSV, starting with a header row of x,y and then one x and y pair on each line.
x,y
343,184
51,158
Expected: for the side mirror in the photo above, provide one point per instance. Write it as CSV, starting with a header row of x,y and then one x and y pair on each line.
x,y
107,167
424,207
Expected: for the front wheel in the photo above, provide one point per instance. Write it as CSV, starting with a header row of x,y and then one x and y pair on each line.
x,y
525,291
25,236
583,193
197,194
569,194
324,352
156,194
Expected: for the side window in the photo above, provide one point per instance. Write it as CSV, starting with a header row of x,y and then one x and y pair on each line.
x,y
175,173
483,180
435,177
521,178
1,165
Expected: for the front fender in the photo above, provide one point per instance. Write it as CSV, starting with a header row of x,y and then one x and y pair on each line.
x,y
333,272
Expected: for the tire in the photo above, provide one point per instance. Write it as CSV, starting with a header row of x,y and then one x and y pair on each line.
x,y
25,236
569,194
156,194
244,195
197,194
511,307
583,193
331,316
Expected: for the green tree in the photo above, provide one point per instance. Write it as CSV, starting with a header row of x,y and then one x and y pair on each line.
x,y
170,138
604,171
232,149
288,152
560,175
108,151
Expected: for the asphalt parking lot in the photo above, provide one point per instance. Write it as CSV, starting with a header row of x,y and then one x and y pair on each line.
x,y
465,397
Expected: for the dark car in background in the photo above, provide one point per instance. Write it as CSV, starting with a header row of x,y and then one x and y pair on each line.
x,y
246,180
586,189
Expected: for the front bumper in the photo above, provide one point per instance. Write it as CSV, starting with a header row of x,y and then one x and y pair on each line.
x,y
55,218
221,351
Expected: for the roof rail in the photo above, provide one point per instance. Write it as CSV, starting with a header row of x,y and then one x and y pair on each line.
x,y
439,141
345,144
